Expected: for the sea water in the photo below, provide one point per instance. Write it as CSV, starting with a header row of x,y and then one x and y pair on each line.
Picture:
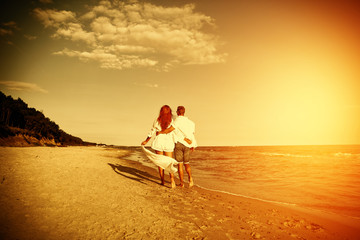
x,y
325,178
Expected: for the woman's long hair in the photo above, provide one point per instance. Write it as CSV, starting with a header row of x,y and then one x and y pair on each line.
x,y
165,117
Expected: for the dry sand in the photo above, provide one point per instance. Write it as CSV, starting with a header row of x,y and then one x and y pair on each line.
x,y
92,193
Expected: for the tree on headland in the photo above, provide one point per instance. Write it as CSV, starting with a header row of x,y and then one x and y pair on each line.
x,y
17,118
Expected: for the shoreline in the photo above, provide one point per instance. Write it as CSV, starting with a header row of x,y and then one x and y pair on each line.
x,y
135,154
290,205
351,221
94,193
346,227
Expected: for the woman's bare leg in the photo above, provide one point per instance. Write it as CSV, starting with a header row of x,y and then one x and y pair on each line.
x,y
161,171
173,185
162,175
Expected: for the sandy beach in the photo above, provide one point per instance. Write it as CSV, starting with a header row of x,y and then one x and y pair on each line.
x,y
93,193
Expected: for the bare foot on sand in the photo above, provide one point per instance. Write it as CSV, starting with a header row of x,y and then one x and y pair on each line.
x,y
191,183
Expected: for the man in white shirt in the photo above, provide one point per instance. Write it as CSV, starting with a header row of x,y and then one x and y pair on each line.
x,y
184,143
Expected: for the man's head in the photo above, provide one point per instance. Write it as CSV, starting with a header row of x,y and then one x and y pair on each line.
x,y
180,111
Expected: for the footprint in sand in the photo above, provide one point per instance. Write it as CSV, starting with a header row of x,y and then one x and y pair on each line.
x,y
314,227
295,223
255,235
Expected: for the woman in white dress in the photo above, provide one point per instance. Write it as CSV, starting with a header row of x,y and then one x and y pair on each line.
x,y
163,143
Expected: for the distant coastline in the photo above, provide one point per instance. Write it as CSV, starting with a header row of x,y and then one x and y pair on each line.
x,y
21,126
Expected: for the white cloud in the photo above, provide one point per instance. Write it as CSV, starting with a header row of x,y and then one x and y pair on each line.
x,y
150,85
4,31
10,43
54,18
128,34
75,32
30,37
8,28
11,24
22,86
109,60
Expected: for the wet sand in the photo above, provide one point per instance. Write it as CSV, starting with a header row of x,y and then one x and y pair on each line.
x,y
93,193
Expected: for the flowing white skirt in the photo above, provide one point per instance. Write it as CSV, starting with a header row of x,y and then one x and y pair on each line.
x,y
165,162
163,143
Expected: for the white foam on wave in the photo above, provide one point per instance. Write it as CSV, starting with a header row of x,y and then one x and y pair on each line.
x,y
240,195
341,154
284,155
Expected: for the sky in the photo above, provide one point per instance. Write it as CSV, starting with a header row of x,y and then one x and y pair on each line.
x,y
248,72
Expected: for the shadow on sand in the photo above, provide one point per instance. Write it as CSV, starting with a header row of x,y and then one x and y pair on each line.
x,y
134,174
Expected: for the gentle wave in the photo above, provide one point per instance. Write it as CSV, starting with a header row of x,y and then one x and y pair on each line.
x,y
240,195
284,155
341,154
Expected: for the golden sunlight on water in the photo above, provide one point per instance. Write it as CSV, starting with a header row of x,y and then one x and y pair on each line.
x,y
319,177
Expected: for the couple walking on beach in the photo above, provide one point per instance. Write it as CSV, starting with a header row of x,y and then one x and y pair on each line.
x,y
173,137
